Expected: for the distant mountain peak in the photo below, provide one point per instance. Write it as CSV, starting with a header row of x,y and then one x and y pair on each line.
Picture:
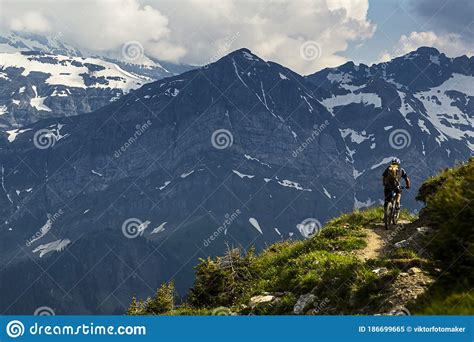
x,y
244,54
243,51
426,50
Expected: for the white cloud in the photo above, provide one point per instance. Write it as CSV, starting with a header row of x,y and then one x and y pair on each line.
x,y
99,25
31,22
192,31
356,9
451,44
274,30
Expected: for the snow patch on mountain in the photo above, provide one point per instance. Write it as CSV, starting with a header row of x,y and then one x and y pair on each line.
x,y
248,157
434,59
355,136
54,246
291,184
61,93
326,192
186,174
344,100
171,92
356,174
12,134
339,77
250,57
278,232
441,111
3,186
164,185
405,107
3,109
242,175
422,125
97,173
71,71
159,229
383,162
360,205
255,224
237,73
38,101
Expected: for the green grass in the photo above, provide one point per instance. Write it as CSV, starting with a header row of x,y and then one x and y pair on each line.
x,y
444,299
324,265
449,199
327,265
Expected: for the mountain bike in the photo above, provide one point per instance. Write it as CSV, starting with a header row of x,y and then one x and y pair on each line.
x,y
391,212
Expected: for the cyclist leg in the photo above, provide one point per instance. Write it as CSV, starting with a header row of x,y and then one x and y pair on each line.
x,y
387,198
398,197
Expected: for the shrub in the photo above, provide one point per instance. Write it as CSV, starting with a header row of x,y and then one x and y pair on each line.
x,y
222,281
161,303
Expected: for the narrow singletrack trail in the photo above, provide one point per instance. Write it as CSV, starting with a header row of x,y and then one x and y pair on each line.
x,y
378,240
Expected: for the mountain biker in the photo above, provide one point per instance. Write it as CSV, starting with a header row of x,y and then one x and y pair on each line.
x,y
391,182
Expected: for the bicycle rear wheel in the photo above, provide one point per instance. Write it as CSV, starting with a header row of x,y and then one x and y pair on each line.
x,y
388,215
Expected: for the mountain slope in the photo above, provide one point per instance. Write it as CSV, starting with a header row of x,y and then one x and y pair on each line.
x,y
38,85
324,275
117,201
352,266
141,65
43,77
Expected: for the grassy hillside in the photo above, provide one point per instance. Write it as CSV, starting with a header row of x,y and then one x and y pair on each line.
x,y
353,266
326,266
449,199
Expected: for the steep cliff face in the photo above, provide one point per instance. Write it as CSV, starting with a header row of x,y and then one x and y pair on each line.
x,y
101,206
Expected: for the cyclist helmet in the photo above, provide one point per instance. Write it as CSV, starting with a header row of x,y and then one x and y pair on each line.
x,y
396,161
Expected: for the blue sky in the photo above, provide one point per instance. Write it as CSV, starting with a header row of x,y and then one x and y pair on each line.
x,y
395,18
200,31
392,21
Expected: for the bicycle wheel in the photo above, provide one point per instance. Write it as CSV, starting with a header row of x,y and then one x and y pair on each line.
x,y
388,214
396,215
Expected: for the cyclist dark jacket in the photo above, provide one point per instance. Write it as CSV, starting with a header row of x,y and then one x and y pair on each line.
x,y
388,188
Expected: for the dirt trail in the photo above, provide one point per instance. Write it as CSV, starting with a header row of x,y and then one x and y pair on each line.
x,y
411,281
377,238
